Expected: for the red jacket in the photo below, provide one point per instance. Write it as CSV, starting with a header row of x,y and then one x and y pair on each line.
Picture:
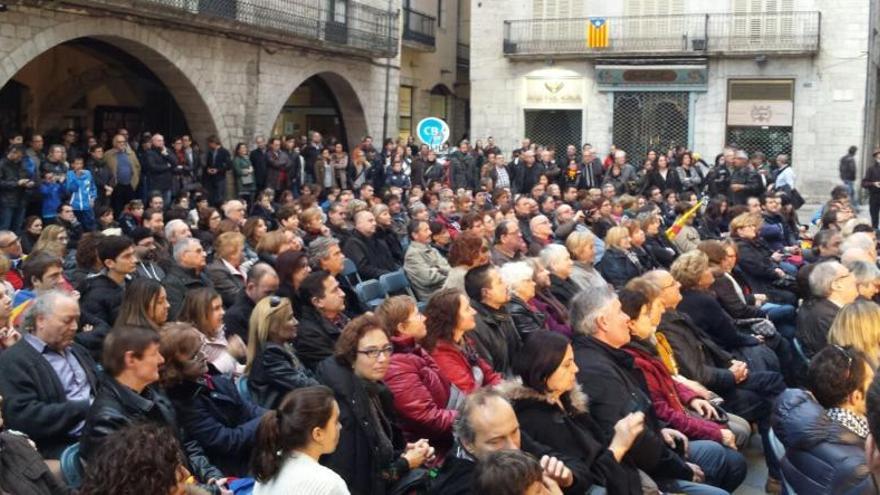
x,y
669,397
455,367
421,394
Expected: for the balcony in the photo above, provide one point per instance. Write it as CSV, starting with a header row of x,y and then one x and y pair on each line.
x,y
343,26
733,35
463,56
418,30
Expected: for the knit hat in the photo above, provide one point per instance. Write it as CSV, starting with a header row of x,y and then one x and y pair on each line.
x,y
140,233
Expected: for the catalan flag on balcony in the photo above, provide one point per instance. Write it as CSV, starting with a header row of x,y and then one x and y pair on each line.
x,y
597,33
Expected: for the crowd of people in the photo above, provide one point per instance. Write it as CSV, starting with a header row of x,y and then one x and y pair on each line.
x,y
178,320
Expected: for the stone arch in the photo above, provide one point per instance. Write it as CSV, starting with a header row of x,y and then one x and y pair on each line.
x,y
350,108
164,59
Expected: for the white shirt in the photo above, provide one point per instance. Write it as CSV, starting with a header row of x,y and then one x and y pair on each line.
x,y
303,475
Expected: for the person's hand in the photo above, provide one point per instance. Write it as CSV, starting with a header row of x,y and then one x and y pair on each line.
x,y
670,435
779,272
699,476
704,408
22,182
740,371
417,453
759,338
776,256
108,191
728,439
550,486
626,431
557,471
737,187
8,337
760,299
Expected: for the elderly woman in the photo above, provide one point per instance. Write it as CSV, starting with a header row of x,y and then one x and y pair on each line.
x,y
208,407
637,239
759,265
275,243
372,454
558,262
225,271
656,242
385,232
556,313
273,368
552,410
469,250
519,278
867,278
619,265
423,398
203,308
582,248
312,222
449,317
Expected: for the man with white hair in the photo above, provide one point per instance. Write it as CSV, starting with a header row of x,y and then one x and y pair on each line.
x,y
542,234
177,230
627,172
862,241
186,272
159,167
607,375
832,287
234,210
526,173
744,180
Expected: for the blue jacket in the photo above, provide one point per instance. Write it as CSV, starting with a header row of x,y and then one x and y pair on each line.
x,y
212,413
821,456
82,190
52,194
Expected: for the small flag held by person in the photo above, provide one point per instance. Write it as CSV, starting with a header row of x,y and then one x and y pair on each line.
x,y
675,228
597,33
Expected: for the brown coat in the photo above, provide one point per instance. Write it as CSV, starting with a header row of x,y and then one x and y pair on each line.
x,y
110,159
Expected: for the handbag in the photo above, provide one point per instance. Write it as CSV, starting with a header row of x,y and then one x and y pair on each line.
x,y
796,199
758,326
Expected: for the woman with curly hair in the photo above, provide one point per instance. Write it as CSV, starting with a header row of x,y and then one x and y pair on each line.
x,y
449,317
119,469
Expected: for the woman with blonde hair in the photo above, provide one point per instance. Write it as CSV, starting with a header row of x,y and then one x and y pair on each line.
x,y
52,240
582,247
620,264
273,367
226,271
858,324
759,264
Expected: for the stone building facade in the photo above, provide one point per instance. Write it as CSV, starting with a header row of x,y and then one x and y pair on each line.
x,y
228,76
793,76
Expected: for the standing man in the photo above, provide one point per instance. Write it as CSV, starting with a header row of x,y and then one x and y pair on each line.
x,y
744,181
217,163
258,161
871,182
160,169
125,166
15,182
848,174
310,153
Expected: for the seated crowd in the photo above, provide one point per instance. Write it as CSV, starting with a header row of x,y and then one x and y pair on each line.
x,y
569,323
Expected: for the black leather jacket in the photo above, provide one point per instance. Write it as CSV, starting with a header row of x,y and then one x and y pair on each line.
x,y
117,406
275,372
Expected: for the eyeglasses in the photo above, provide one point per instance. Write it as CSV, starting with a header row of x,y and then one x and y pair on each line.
x,y
201,351
375,353
848,356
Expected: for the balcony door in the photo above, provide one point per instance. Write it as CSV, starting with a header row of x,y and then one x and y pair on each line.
x,y
757,21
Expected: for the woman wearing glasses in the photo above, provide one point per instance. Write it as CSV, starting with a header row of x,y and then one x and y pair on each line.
x,y
372,455
208,406
824,428
273,368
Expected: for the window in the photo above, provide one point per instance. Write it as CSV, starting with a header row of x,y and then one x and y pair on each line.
x,y
441,13
439,102
658,21
758,20
404,108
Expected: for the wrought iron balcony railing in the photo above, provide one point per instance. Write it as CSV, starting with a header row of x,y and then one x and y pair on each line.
x,y
781,33
418,27
463,55
342,25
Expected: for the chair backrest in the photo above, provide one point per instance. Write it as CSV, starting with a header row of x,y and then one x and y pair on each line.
x,y
241,384
395,282
370,293
349,269
71,467
799,350
775,445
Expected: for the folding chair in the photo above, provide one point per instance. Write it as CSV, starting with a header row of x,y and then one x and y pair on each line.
x,y
71,467
349,269
370,293
395,282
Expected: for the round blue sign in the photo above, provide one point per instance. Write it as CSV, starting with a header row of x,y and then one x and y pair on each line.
x,y
433,132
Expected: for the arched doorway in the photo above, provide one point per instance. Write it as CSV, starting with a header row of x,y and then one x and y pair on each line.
x,y
87,83
324,102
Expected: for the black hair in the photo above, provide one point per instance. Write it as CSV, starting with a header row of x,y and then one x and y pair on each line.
x,y
36,265
413,226
476,279
632,302
312,286
111,246
835,372
123,339
540,357
507,472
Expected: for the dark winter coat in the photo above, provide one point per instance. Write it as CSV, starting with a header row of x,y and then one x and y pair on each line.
x,y
219,159
370,255
574,433
672,180
357,458
753,257
496,337
726,294
222,422
275,371
117,406
659,247
100,298
617,269
226,283
814,319
316,337
160,169
177,282
24,471
705,311
12,195
564,290
698,356
238,316
616,388
34,401
526,319
821,456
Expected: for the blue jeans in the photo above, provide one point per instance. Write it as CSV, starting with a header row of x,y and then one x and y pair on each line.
x,y
12,218
86,218
783,316
851,190
725,469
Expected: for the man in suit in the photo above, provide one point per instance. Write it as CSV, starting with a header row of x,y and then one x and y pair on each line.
x,y
47,381
217,163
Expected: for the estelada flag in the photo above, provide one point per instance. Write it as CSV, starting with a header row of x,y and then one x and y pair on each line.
x,y
672,232
597,33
